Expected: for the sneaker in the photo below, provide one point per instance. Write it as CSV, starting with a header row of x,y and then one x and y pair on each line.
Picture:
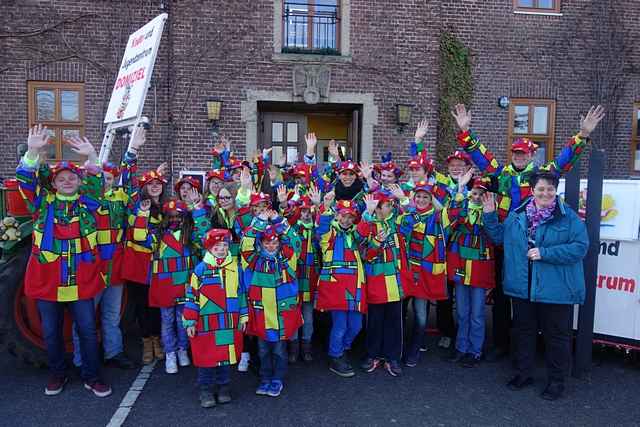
x,y
275,388
170,363
341,367
98,388
393,368
423,348
457,357
263,388
207,400
120,361
412,361
470,361
243,365
444,342
371,364
553,391
224,394
55,385
183,358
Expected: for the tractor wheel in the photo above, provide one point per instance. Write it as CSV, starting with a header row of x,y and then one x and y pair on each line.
x,y
19,318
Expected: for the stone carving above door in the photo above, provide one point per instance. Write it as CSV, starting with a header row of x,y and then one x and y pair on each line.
x,y
311,83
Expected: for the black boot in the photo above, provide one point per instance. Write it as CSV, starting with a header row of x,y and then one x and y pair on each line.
x,y
306,351
293,350
224,394
341,367
207,400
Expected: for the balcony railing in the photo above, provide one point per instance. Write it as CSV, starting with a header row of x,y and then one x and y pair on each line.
x,y
311,28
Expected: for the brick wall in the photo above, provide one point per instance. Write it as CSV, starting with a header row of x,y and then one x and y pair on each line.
x,y
221,49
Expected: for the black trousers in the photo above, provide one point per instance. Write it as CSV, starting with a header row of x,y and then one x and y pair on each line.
x,y
444,315
501,312
553,320
385,331
148,318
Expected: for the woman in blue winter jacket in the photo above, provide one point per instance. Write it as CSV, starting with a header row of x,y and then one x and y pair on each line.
x,y
544,242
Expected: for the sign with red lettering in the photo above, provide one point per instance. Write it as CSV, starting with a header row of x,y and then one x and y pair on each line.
x,y
130,89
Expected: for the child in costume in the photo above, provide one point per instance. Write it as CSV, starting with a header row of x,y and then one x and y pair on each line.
x,y
215,315
270,249
341,285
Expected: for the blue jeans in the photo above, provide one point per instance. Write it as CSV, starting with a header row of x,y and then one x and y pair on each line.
x,y
273,359
470,314
220,375
307,326
174,335
52,317
420,317
345,326
110,302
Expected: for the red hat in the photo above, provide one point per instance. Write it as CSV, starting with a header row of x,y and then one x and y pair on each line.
x,y
269,234
236,163
346,207
257,198
111,168
383,196
423,186
421,162
483,183
460,155
217,174
150,176
174,205
300,169
187,180
305,202
65,166
348,165
525,145
216,235
389,166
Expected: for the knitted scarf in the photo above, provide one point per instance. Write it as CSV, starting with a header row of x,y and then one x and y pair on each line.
x,y
537,216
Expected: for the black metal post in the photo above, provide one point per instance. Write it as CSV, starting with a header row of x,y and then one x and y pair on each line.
x,y
572,186
584,339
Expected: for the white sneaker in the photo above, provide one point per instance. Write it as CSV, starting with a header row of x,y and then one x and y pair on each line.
x,y
445,342
243,365
170,363
183,358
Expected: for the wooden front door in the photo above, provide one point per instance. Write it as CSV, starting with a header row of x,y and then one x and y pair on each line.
x,y
284,133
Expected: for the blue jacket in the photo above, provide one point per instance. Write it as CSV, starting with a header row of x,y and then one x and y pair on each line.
x,y
557,278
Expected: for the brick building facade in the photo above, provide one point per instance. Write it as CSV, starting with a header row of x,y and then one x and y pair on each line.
x,y
552,63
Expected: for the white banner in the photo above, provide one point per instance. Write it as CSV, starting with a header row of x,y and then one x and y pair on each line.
x,y
620,214
130,89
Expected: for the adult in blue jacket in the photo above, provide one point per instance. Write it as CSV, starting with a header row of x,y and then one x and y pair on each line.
x,y
544,244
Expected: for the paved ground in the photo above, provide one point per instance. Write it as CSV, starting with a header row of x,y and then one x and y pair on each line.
x,y
434,393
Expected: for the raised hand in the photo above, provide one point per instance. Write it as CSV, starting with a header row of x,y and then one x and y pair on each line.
x,y
38,137
82,146
311,141
589,122
193,196
371,203
488,202
328,199
397,191
271,214
314,195
220,146
227,143
282,195
365,168
245,178
333,150
421,130
464,179
462,116
145,205
162,168
139,138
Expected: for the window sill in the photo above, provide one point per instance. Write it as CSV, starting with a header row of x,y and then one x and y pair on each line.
x,y
307,57
530,12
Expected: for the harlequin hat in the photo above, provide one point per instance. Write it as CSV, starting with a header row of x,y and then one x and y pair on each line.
x,y
305,202
383,196
460,155
237,163
388,166
269,234
257,198
187,180
150,176
217,174
421,162
348,165
525,145
174,205
65,166
423,186
111,168
483,183
216,235
347,207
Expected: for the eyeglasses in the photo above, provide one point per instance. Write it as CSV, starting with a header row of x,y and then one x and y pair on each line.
x,y
224,197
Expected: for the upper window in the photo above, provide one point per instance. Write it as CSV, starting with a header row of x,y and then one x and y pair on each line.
x,y
537,5
635,140
533,119
59,107
311,26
